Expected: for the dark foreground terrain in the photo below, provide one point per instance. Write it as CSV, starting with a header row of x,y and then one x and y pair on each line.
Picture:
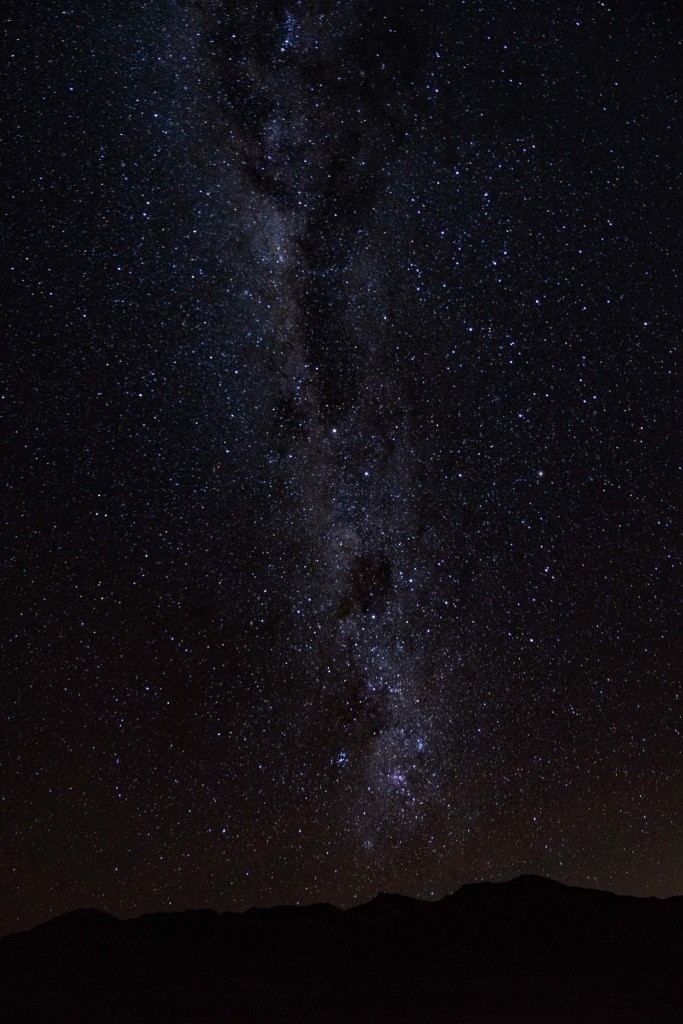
x,y
521,952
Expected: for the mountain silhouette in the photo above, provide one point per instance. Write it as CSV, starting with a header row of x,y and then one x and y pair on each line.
x,y
527,951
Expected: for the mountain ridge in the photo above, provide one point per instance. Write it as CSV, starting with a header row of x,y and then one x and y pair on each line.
x,y
528,950
518,883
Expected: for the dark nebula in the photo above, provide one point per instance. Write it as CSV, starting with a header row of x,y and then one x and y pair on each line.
x,y
339,423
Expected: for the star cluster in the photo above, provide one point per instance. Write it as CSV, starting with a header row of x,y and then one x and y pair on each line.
x,y
338,408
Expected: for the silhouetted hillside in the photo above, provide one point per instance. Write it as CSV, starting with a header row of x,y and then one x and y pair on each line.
x,y
528,951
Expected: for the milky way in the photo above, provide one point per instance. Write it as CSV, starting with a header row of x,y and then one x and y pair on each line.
x,y
340,551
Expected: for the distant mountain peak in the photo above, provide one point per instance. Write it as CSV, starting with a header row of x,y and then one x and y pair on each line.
x,y
535,882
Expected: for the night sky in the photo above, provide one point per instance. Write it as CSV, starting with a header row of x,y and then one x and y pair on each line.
x,y
339,451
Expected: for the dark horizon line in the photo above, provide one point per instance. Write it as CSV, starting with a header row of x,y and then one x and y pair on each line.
x,y
528,878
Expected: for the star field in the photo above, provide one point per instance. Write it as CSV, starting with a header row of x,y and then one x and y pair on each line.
x,y
339,406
